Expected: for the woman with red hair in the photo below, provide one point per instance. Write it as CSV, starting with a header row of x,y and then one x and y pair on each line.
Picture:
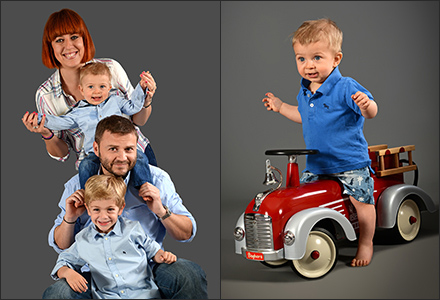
x,y
67,46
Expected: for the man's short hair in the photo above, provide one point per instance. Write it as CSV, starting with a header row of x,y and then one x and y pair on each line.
x,y
105,187
115,125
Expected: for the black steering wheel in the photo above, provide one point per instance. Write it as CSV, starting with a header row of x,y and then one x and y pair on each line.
x,y
290,152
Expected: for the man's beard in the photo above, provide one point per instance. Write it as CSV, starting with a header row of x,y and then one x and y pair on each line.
x,y
108,165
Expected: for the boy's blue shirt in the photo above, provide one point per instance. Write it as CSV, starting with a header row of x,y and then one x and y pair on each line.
x,y
118,260
333,124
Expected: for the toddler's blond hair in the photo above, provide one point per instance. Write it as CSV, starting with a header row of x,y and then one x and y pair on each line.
x,y
105,187
319,30
94,68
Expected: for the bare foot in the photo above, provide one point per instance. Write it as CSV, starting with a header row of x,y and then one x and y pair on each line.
x,y
363,256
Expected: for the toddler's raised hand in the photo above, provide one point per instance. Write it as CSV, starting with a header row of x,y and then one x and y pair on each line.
x,y
361,100
272,103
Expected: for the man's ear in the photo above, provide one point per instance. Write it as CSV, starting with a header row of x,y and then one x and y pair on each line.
x,y
337,60
96,148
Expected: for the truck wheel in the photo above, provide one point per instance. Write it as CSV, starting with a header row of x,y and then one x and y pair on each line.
x,y
275,263
320,257
408,221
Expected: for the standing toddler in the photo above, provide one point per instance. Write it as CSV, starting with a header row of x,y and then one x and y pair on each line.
x,y
332,110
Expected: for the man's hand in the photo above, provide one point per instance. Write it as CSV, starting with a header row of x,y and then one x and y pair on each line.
x,y
74,206
151,196
178,226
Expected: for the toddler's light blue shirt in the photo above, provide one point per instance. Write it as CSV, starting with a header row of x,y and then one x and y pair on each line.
x,y
86,116
117,260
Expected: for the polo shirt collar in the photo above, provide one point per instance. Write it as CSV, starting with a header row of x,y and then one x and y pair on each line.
x,y
328,84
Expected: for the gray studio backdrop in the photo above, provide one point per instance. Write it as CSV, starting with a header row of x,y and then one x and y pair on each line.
x,y
179,43
392,49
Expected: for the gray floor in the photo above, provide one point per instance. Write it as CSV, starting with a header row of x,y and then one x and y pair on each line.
x,y
404,271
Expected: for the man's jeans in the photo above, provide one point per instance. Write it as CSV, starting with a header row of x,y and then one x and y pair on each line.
x,y
180,280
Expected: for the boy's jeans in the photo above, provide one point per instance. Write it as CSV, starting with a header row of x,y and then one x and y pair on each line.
x,y
139,174
180,280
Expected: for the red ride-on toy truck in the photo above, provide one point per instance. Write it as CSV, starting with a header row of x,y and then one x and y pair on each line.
x,y
300,223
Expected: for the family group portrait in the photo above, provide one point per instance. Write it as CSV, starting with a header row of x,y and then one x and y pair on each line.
x,y
220,150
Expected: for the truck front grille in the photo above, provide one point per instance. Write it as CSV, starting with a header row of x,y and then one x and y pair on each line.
x,y
258,229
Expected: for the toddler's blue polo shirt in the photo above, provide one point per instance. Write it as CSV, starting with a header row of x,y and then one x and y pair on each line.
x,y
333,124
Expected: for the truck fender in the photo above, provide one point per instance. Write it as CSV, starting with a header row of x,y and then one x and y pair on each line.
x,y
242,243
390,200
301,223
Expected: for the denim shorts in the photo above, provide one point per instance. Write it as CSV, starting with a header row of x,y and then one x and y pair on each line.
x,y
357,183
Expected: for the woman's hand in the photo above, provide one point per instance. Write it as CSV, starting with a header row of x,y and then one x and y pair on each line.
x,y
54,146
30,120
147,81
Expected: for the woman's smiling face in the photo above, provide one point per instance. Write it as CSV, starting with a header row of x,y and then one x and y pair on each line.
x,y
68,49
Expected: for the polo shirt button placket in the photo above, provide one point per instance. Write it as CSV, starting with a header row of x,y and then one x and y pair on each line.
x,y
311,105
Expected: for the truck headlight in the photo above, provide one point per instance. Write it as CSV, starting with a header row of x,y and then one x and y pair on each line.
x,y
289,238
238,233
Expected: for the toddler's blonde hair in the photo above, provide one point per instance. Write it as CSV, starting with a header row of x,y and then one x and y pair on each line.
x,y
319,30
105,187
94,68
